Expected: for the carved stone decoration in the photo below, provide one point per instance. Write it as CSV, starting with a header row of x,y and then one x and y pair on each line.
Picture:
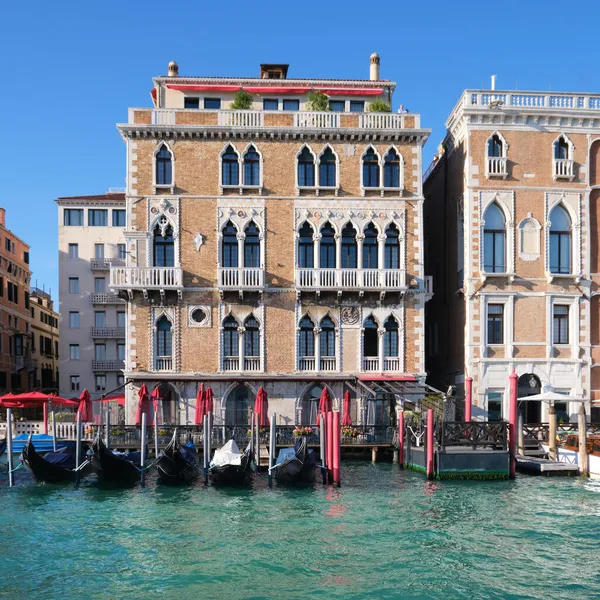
x,y
198,241
350,315
163,225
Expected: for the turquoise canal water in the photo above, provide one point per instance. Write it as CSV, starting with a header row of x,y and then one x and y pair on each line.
x,y
386,533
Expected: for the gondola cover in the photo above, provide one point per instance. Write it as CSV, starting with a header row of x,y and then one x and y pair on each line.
x,y
177,463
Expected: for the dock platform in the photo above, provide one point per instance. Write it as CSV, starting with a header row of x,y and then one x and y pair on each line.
x,y
543,466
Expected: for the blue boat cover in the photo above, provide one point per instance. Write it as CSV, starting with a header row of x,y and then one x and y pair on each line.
x,y
62,459
134,457
189,453
41,442
286,454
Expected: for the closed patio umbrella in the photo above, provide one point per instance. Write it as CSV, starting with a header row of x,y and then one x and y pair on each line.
x,y
143,404
208,402
324,404
261,407
85,409
347,419
199,412
155,399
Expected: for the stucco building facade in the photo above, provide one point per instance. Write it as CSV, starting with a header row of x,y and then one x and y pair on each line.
x,y
44,341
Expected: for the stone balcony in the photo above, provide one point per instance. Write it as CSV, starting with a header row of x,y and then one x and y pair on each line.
x,y
144,279
351,280
241,279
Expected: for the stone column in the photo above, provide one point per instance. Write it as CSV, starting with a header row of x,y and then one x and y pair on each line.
x,y
360,238
381,332
240,238
241,351
317,331
381,250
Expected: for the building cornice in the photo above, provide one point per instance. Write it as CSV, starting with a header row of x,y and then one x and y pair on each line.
x,y
85,202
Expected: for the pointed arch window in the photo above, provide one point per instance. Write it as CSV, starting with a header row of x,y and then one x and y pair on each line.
x,y
251,338
391,169
327,247
349,247
164,340
560,241
252,246
306,341
306,168
370,341
390,338
327,338
370,169
230,245
164,246
306,252
563,158
230,167
561,149
164,166
327,169
251,167
392,247
494,240
495,146
370,248
231,346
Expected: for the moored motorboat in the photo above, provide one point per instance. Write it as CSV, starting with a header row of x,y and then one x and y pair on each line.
x,y
177,463
568,452
54,467
229,465
295,464
113,466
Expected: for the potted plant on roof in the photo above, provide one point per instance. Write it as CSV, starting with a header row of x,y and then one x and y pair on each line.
x,y
379,106
242,100
317,101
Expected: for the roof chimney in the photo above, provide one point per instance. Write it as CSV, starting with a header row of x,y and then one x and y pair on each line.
x,y
374,71
493,82
2,217
173,69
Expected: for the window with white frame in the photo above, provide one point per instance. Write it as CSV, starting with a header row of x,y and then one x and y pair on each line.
x,y
306,246
251,167
563,165
494,240
494,405
164,344
560,324
230,167
306,168
231,346
560,241
370,169
495,324
328,168
306,344
392,170
164,166
495,160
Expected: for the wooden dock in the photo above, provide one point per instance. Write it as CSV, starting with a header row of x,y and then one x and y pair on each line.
x,y
543,466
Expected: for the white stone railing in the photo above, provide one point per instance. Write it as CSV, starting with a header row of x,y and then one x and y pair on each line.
x,y
163,117
157,278
350,279
108,332
163,363
496,166
244,278
563,168
108,365
231,363
380,121
317,120
252,363
106,298
371,363
328,363
241,118
307,363
391,363
532,99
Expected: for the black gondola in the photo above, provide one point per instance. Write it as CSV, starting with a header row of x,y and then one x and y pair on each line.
x,y
53,467
229,466
3,445
177,464
295,464
112,466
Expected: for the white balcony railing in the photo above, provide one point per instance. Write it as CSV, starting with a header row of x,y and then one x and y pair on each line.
x,y
371,363
108,332
380,121
307,363
563,168
317,120
163,363
157,278
252,363
351,279
106,299
391,363
108,365
532,99
496,166
244,278
241,118
328,363
231,363
163,117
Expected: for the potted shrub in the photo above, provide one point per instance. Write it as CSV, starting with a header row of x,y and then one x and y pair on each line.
x,y
317,101
242,100
379,106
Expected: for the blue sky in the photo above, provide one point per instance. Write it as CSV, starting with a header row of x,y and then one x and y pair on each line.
x,y
73,68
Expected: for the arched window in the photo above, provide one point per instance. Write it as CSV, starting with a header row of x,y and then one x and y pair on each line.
x,y
230,167
561,149
349,248
390,338
370,259
392,247
251,338
164,345
495,147
306,168
252,246
560,240
327,338
370,341
231,347
327,175
391,169
251,167
164,246
306,341
494,242
370,169
327,258
310,405
306,252
164,166
237,406
230,245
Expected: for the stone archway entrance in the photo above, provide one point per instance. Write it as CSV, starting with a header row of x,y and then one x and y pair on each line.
x,y
168,407
529,385
239,403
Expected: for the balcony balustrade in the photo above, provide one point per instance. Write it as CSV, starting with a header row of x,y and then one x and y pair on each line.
x,y
231,363
532,100
243,119
146,278
563,169
351,279
381,121
371,363
106,299
104,264
241,278
328,363
391,363
496,166
108,365
307,363
252,363
108,333
317,120
163,363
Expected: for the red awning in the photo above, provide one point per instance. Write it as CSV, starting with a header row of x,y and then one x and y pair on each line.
x,y
205,88
263,89
381,377
351,91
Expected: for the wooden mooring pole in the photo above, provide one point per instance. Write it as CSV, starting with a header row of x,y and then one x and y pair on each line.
x,y
430,444
272,446
584,469
53,431
108,426
552,432
401,439
205,447
257,417
9,447
155,434
45,412
520,435
143,451
77,446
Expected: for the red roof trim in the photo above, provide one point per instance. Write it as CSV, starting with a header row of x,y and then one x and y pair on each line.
x,y
402,377
276,89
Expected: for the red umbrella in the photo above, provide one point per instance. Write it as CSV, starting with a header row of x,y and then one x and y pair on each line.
x,y
85,406
155,399
143,406
261,407
8,401
324,404
39,399
199,413
347,419
208,402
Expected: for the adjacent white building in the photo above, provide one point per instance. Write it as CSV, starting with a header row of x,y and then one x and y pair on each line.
x,y
92,320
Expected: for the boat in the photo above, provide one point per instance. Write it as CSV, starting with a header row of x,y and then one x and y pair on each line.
x,y
113,466
3,445
568,452
41,441
229,465
295,464
177,464
54,467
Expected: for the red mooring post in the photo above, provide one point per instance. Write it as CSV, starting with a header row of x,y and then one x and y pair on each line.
x,y
401,439
336,449
430,448
468,398
46,418
329,446
512,424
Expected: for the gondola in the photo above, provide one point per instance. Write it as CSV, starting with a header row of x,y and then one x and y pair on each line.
x,y
3,444
112,466
53,467
295,464
177,464
230,466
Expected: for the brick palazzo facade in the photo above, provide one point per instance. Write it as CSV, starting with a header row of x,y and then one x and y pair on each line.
x,y
274,246
511,223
